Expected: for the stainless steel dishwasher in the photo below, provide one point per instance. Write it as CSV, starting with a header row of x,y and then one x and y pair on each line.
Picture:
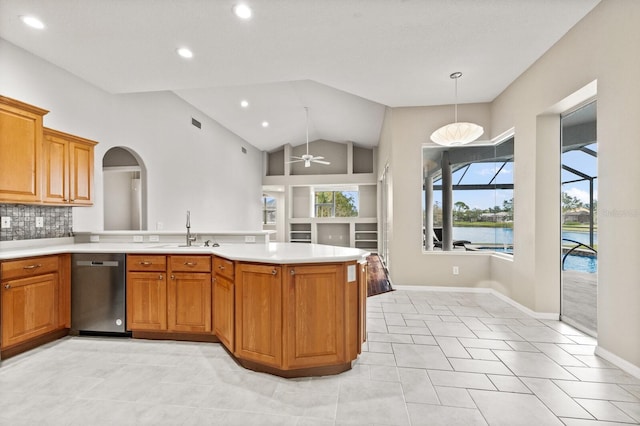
x,y
98,293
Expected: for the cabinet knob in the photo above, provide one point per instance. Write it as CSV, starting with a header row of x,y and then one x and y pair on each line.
x,y
292,272
173,277
7,286
274,272
160,277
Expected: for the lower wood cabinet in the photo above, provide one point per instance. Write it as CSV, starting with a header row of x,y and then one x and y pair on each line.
x,y
224,310
173,294
189,302
259,313
146,301
314,315
35,298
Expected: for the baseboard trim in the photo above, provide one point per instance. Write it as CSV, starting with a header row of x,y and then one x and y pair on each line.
x,y
621,363
534,314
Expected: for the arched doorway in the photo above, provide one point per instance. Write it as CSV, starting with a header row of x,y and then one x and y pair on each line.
x,y
124,185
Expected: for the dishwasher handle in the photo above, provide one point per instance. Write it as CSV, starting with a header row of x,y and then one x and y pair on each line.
x,y
107,263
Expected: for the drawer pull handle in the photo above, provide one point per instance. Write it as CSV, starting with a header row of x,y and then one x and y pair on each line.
x,y
145,263
32,266
7,286
221,267
190,263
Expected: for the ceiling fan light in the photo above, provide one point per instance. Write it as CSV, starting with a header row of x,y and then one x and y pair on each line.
x,y
457,134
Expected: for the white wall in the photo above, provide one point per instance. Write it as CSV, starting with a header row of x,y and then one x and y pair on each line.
x,y
601,47
203,170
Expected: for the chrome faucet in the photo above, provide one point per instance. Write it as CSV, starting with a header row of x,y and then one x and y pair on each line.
x,y
190,239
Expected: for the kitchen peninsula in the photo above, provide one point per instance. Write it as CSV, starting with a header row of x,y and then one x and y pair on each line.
x,y
284,308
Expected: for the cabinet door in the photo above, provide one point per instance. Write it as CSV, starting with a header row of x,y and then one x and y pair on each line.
x,y
146,301
29,308
20,145
56,169
81,173
189,304
223,310
259,313
314,301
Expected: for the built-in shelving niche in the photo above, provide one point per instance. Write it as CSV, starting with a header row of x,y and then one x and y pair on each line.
x,y
362,159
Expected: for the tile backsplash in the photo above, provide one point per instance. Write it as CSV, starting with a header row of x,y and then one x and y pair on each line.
x,y
57,222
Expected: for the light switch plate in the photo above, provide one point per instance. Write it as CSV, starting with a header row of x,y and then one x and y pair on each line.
x,y
6,222
137,238
351,273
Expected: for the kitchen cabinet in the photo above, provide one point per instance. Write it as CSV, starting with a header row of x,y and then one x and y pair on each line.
x,y
169,293
314,303
146,293
68,164
20,151
258,308
189,294
224,302
35,300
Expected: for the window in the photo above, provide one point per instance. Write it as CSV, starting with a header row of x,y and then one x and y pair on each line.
x,y
482,197
268,210
336,203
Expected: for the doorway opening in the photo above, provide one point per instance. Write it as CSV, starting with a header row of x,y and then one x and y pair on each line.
x,y
579,245
124,184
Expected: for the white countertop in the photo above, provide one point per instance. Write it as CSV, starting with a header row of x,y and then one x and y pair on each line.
x,y
279,253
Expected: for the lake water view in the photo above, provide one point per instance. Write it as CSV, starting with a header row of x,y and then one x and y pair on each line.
x,y
504,237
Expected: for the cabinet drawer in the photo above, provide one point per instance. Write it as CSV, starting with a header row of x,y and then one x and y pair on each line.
x,y
190,263
138,262
28,267
223,267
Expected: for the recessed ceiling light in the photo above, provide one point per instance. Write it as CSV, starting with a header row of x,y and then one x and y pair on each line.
x,y
184,52
244,103
242,11
265,124
33,22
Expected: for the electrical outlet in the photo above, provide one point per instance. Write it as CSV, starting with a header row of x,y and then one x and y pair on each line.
x,y
154,238
94,238
137,238
456,270
249,238
6,222
39,222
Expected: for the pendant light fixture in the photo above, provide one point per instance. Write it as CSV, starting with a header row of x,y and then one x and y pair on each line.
x,y
457,133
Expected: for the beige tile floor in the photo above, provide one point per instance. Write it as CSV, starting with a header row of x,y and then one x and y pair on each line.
x,y
432,358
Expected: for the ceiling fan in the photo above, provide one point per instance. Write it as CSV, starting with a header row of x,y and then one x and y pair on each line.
x,y
308,158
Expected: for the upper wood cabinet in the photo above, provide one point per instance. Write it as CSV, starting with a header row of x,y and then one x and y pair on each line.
x,y
20,151
68,169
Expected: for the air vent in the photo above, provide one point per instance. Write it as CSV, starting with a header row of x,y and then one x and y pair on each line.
x,y
244,150
196,123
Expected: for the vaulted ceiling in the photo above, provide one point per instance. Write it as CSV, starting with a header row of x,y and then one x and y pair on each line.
x,y
344,59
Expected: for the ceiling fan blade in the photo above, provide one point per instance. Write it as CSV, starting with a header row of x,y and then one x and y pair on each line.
x,y
318,158
295,161
320,162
